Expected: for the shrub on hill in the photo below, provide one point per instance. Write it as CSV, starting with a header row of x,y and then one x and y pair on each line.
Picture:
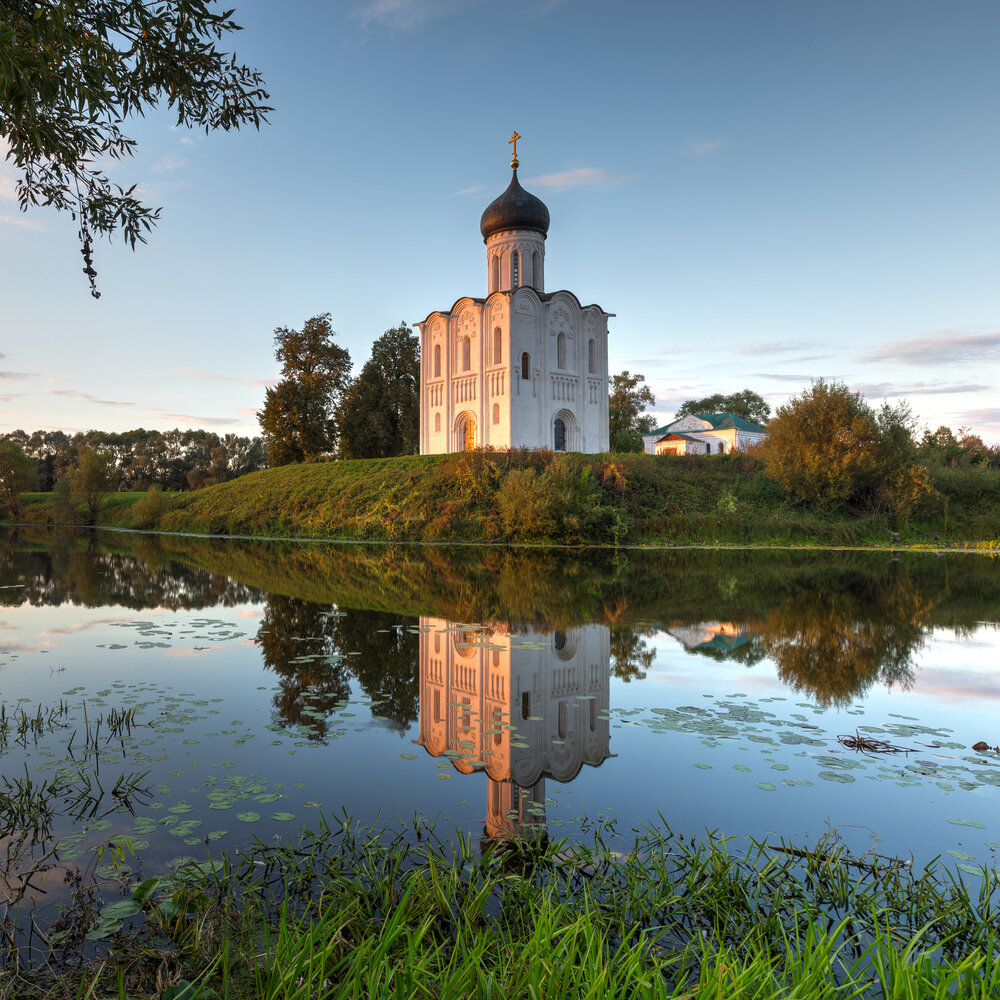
x,y
830,449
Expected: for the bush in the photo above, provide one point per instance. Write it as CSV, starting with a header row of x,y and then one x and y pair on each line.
x,y
147,512
564,503
830,449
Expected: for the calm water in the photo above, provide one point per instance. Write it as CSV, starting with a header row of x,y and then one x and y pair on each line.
x,y
497,692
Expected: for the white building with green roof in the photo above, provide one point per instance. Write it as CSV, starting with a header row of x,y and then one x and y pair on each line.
x,y
703,434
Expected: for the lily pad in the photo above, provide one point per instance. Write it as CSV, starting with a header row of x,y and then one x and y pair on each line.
x,y
248,817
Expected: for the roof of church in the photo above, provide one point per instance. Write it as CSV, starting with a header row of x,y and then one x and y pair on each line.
x,y
719,422
514,209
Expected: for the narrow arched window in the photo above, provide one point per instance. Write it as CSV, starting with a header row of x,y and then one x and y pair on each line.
x,y
515,269
561,351
562,720
496,273
560,445
525,366
496,413
466,354
496,346
437,360
592,357
722,447
437,422
536,270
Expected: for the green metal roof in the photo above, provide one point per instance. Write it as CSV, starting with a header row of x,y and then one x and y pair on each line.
x,y
719,422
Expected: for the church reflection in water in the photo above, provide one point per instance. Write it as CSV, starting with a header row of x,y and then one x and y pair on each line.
x,y
521,705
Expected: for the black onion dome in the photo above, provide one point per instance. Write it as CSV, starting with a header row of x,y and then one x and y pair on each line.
x,y
514,209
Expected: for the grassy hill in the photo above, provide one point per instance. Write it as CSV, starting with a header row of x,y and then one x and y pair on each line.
x,y
542,498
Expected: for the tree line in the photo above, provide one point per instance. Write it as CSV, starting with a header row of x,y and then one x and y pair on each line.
x,y
132,460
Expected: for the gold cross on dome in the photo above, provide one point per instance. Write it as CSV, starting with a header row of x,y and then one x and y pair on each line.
x,y
513,139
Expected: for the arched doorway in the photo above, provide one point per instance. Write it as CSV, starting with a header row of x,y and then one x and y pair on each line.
x,y
560,434
564,432
465,432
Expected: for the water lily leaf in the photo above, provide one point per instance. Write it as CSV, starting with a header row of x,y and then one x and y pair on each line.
x,y
122,909
767,786
248,817
967,822
104,929
963,855
284,817
836,776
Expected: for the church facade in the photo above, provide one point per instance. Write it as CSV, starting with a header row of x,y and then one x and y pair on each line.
x,y
521,367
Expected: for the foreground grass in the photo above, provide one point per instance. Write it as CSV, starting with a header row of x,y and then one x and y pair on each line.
x,y
543,498
354,912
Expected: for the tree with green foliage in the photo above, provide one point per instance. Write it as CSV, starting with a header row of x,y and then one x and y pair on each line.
x,y
943,447
72,71
298,419
628,397
829,448
90,482
746,404
18,473
379,415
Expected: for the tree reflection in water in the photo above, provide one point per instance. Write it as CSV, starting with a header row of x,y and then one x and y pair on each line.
x,y
834,623
315,649
835,644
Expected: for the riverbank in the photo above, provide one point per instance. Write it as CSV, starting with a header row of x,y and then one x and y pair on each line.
x,y
488,497
358,912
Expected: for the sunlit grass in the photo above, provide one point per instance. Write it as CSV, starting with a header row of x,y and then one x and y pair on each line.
x,y
592,499
348,911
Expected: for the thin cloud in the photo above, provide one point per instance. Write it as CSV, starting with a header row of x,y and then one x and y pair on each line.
x,y
85,397
562,180
475,189
187,418
202,376
889,390
788,378
169,163
8,187
21,222
704,147
186,140
14,375
405,15
773,347
945,346
988,416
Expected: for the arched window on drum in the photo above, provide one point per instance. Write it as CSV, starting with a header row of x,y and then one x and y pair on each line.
x,y
525,366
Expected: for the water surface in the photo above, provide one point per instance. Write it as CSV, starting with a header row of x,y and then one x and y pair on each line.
x,y
502,693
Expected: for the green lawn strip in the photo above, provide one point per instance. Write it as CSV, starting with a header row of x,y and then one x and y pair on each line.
x,y
347,911
574,499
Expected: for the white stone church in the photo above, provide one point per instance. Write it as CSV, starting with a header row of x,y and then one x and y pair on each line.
x,y
522,367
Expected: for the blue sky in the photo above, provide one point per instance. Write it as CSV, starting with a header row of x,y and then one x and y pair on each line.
x,y
763,193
